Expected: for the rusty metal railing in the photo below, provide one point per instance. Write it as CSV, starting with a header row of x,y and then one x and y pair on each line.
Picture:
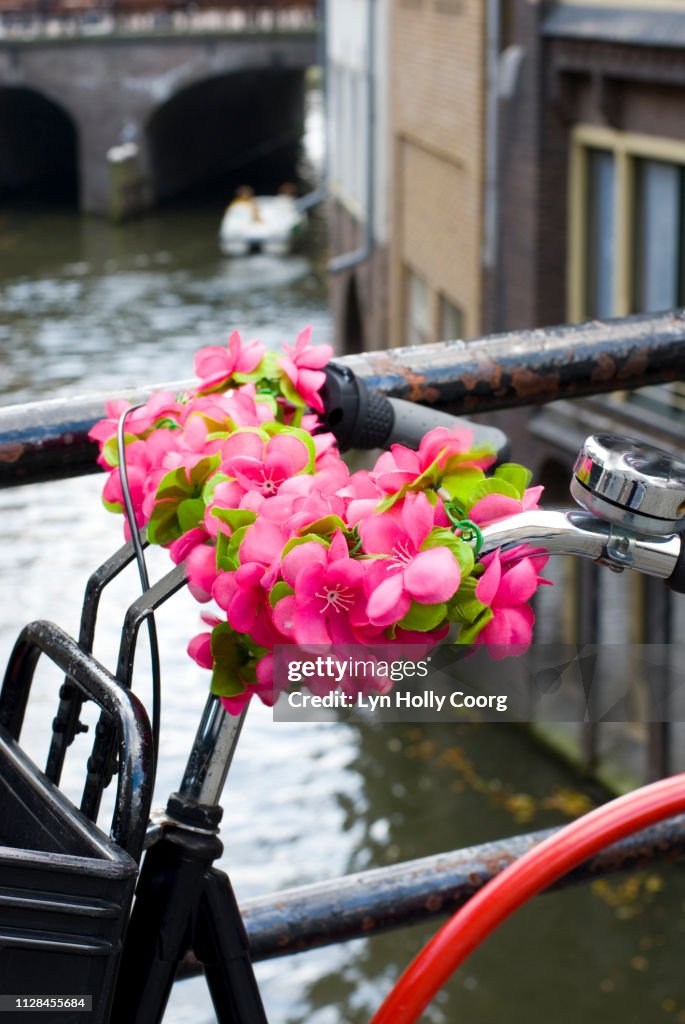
x,y
48,440
383,899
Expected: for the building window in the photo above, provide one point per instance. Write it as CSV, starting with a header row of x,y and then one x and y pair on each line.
x,y
451,320
418,319
627,231
658,251
626,224
600,207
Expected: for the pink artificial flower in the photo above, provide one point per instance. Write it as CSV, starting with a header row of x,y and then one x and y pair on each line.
x,y
506,589
494,507
263,543
363,495
201,571
401,466
430,576
262,466
312,507
265,688
244,598
199,648
161,405
222,410
302,364
180,549
193,445
143,471
329,603
215,365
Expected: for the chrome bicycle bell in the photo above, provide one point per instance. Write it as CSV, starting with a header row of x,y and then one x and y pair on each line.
x,y
630,483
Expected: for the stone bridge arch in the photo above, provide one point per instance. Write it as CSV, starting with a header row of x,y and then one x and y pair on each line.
x,y
126,88
38,146
224,129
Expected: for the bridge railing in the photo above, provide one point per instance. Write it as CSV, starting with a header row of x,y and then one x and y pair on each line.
x,y
48,441
35,15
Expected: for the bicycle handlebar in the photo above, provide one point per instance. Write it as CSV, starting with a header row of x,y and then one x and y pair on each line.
x,y
359,417
580,533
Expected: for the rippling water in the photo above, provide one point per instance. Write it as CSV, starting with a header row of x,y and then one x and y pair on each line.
x,y
86,306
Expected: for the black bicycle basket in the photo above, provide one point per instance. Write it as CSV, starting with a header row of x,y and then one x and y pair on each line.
x,y
65,887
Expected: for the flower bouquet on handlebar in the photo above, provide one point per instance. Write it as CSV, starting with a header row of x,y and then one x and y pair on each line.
x,y
241,480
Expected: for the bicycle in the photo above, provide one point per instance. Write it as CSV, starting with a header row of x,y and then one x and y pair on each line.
x,y
182,901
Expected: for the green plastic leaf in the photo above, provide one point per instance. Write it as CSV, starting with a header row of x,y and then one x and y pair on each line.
x,y
460,484
288,391
164,526
279,591
492,485
223,560
518,476
326,526
179,506
267,399
294,541
167,424
210,486
110,449
464,606
424,617
219,429
203,469
463,552
226,680
431,475
482,453
247,378
174,486
190,514
231,558
468,633
388,502
270,369
235,518
228,549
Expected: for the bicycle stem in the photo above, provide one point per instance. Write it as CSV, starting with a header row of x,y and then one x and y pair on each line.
x,y
577,532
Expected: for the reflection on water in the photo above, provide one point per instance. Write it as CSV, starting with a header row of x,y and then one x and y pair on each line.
x,y
88,306
101,305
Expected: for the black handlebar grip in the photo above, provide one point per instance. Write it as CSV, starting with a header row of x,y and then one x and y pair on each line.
x,y
362,418
676,581
413,421
356,416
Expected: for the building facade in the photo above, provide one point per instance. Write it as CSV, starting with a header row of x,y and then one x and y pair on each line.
x,y
536,175
356,88
437,120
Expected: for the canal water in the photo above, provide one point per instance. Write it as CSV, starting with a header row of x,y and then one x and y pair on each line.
x,y
90,307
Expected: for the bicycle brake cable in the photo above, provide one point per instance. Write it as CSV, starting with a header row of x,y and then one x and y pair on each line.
x,y
145,584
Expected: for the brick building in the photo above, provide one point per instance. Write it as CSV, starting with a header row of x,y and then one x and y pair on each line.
x,y
536,175
526,156
437,117
420,277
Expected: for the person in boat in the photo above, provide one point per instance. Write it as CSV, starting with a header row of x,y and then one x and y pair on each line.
x,y
245,196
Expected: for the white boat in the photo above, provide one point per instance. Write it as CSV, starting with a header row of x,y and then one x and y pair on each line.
x,y
260,224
